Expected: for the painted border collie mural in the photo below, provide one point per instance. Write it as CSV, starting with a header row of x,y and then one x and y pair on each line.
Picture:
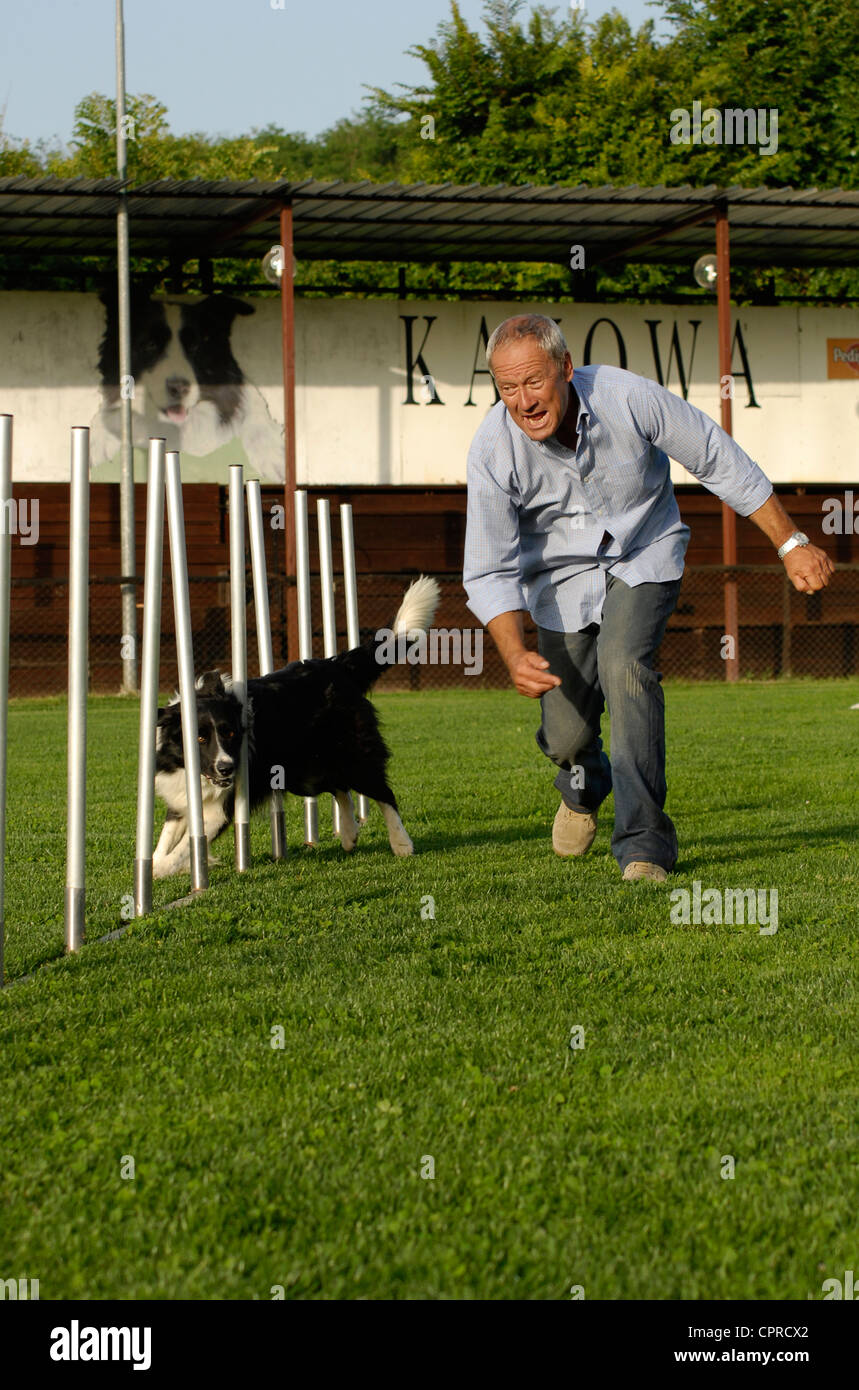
x,y
186,387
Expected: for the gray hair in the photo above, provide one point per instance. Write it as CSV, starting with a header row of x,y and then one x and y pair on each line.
x,y
547,333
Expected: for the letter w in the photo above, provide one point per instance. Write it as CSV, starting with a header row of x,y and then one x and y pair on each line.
x,y
685,382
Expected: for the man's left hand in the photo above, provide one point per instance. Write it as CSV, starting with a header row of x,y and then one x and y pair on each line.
x,y
809,568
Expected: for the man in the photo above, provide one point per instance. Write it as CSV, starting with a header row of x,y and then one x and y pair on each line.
x,y
572,516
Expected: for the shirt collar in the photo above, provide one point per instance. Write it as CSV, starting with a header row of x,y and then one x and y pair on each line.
x,y
582,391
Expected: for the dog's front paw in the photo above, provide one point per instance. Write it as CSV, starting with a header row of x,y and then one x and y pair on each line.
x,y
402,845
170,865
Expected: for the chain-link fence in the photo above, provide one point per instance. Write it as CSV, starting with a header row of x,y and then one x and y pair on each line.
x,y
781,632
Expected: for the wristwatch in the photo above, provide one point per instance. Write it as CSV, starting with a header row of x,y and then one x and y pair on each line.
x,y
798,538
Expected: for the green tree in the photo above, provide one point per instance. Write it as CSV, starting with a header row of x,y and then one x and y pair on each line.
x,y
93,144
552,102
20,157
800,57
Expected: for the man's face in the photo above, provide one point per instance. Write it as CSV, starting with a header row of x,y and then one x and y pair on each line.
x,y
533,389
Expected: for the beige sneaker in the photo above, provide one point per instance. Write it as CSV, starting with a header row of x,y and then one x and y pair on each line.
x,y
573,832
639,868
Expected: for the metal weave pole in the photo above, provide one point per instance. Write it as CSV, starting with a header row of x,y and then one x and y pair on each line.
x,y
149,677
239,636
126,456
264,648
75,896
197,846
329,620
350,582
305,634
5,592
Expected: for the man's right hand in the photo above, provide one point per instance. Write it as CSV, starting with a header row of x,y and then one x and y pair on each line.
x,y
529,672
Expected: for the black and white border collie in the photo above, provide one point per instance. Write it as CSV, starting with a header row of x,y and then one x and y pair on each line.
x,y
310,729
187,386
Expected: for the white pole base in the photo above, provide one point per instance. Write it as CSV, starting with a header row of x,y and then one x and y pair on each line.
x,y
199,851
278,831
142,887
311,821
243,846
75,917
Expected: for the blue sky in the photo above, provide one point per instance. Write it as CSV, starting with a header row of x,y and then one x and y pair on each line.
x,y
223,66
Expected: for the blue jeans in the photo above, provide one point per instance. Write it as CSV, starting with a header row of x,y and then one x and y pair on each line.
x,y
611,664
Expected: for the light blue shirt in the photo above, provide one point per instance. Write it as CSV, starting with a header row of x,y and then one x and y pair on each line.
x,y
546,524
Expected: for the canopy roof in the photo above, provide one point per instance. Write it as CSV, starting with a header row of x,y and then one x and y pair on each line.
x,y
429,222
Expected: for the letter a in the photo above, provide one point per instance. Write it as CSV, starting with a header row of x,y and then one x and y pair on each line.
x,y
60,1344
681,131
832,523
680,909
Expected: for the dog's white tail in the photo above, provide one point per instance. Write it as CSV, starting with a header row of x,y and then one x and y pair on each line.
x,y
417,610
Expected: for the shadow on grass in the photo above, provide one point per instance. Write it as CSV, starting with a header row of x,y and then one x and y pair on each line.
x,y
737,848
504,835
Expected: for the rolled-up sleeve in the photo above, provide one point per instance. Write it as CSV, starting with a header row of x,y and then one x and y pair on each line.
x,y
690,437
492,566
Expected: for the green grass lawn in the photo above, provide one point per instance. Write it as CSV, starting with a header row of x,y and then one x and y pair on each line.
x,y
408,1036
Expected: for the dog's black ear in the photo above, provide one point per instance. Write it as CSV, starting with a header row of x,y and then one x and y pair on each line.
x,y
235,307
146,283
226,307
210,684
